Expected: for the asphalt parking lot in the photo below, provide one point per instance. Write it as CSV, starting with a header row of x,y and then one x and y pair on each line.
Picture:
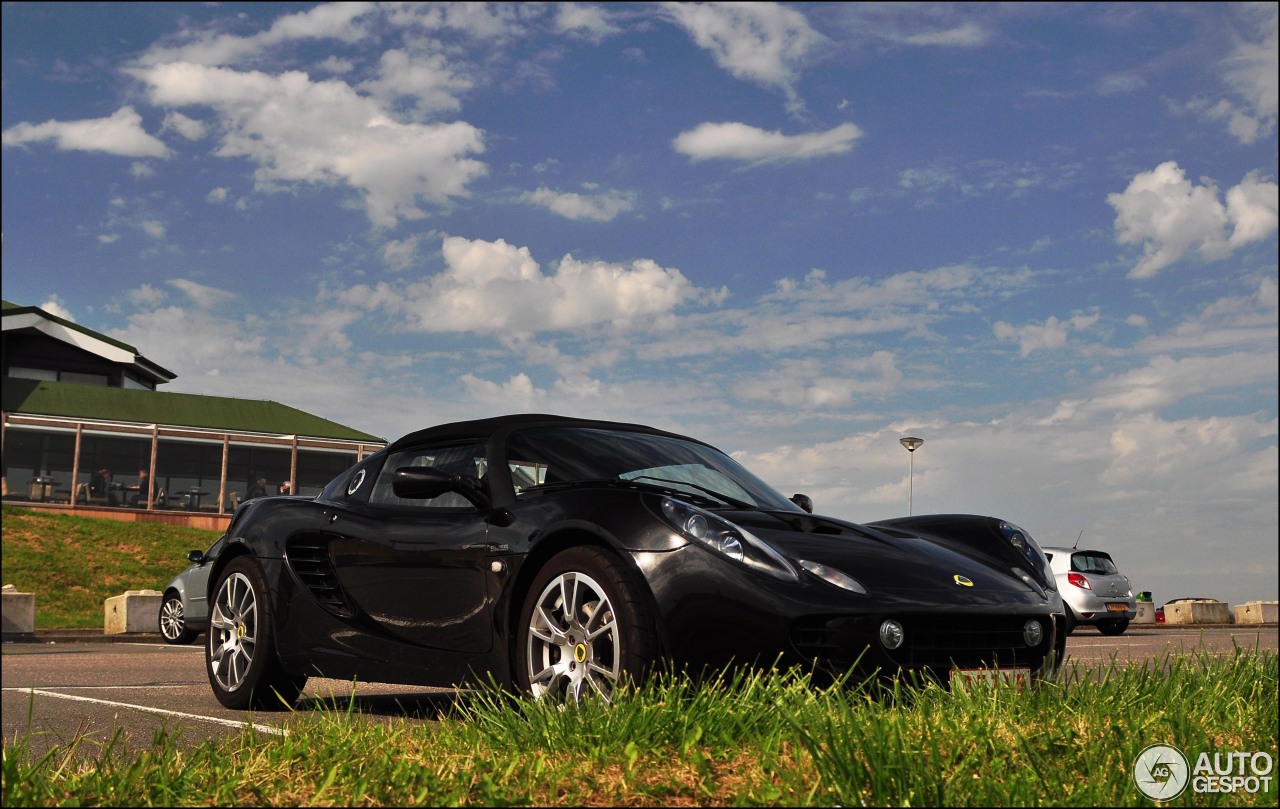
x,y
56,691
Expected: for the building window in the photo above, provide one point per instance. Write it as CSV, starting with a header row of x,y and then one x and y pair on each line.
x,y
83,379
42,374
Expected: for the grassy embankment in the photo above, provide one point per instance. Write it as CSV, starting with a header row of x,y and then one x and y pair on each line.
x,y
748,740
74,564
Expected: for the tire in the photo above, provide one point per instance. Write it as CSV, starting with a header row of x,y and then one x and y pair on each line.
x,y
604,638
173,622
240,657
1071,623
1113,626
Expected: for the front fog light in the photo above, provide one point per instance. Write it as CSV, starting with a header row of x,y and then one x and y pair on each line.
x,y
891,634
1032,633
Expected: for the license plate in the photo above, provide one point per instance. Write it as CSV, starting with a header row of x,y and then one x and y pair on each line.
x,y
1114,606
1019,678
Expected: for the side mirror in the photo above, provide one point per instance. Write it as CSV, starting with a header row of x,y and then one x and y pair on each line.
x,y
804,501
426,482
195,557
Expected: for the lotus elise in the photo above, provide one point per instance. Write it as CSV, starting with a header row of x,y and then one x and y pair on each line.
x,y
562,557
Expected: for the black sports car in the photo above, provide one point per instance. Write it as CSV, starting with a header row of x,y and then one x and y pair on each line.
x,y
561,555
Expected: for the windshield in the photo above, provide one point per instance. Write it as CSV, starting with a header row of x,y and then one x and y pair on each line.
x,y
565,456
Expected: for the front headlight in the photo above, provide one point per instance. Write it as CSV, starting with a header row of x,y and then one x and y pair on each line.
x,y
1029,550
722,536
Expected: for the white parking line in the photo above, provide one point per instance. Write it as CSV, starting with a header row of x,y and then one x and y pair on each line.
x,y
146,708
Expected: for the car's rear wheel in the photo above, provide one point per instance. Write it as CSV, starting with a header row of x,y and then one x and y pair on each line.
x,y
1113,626
584,629
240,656
1069,625
173,620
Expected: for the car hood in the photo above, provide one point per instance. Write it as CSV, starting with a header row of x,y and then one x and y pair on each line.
x,y
897,561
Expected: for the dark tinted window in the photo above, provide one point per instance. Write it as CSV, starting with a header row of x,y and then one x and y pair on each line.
x,y
1093,563
468,460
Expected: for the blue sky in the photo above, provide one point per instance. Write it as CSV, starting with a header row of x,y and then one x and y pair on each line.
x,y
1041,237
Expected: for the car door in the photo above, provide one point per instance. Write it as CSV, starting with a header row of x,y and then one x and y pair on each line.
x,y
418,569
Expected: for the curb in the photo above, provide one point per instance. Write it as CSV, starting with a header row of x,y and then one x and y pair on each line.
x,y
82,636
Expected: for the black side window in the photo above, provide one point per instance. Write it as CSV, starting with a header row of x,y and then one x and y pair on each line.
x,y
464,459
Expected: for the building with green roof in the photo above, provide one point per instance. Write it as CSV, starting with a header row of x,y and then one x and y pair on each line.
x,y
85,427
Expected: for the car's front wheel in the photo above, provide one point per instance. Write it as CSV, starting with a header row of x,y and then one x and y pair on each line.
x,y
173,621
1113,626
240,656
584,629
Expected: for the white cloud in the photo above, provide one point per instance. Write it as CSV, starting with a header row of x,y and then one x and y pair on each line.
x,y
497,287
484,21
54,307
426,78
401,254
153,228
1165,381
966,35
1051,334
1168,216
147,295
206,297
217,195
189,128
764,43
811,383
340,21
297,130
1252,71
737,141
584,21
120,134
599,207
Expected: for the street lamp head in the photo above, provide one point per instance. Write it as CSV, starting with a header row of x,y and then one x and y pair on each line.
x,y
911,443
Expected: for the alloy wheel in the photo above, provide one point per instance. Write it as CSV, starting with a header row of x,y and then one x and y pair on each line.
x,y
233,631
573,648
172,619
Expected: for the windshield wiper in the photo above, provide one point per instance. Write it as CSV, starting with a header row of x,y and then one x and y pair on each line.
x,y
724,498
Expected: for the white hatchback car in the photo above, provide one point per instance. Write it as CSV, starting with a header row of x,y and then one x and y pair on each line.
x,y
1092,589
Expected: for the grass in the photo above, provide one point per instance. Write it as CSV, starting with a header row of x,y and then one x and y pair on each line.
x,y
746,739
74,564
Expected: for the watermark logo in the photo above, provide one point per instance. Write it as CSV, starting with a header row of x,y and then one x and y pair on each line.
x,y
1161,772
1233,772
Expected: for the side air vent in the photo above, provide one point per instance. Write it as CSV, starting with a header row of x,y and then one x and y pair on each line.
x,y
308,558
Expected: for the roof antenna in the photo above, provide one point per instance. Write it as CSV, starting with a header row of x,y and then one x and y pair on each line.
x,y
1073,547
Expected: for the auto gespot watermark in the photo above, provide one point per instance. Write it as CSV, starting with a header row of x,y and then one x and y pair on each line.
x,y
1162,772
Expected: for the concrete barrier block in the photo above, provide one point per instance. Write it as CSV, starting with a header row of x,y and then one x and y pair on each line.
x,y
18,612
1146,613
1258,612
132,611
1197,612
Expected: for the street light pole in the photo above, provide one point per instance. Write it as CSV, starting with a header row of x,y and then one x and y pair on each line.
x,y
912,444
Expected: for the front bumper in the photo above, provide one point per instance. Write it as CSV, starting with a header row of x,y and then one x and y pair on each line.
x,y
711,613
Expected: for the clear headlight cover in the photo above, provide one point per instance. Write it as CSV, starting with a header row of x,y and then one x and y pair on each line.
x,y
720,535
1027,547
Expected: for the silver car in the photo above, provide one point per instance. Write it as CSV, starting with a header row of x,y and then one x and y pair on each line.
x,y
1092,589
184,610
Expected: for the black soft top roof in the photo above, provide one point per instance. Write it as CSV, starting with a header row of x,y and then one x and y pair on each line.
x,y
482,429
